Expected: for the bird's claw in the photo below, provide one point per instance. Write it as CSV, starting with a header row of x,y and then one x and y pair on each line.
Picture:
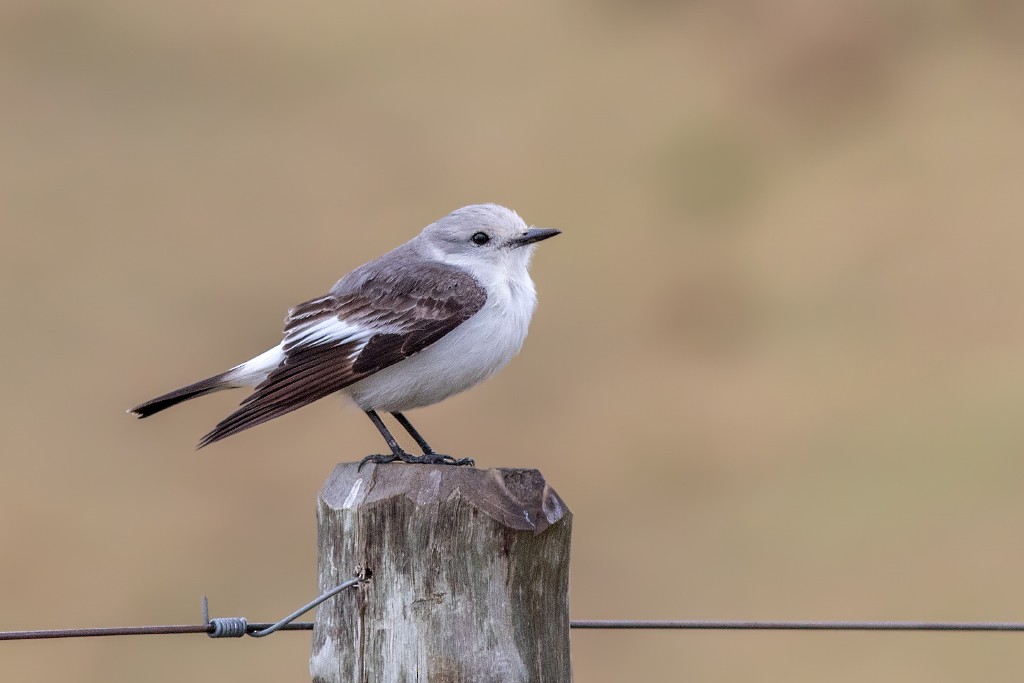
x,y
378,459
439,459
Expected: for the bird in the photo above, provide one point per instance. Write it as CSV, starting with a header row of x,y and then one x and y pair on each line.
x,y
429,319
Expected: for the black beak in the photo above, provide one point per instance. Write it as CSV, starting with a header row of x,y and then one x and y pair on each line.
x,y
533,235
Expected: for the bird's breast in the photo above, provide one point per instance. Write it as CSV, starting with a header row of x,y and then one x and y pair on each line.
x,y
467,355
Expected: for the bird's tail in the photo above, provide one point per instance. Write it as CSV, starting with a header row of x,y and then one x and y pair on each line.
x,y
200,388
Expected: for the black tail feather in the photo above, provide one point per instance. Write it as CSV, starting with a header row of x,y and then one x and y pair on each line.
x,y
200,388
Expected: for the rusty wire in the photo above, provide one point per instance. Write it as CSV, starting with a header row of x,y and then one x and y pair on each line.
x,y
238,626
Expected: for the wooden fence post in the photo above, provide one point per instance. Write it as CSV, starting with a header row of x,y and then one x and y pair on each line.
x,y
468,577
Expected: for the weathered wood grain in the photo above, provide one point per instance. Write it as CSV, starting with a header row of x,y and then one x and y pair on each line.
x,y
468,569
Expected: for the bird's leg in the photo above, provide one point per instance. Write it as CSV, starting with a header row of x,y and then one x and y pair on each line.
x,y
404,421
429,456
396,451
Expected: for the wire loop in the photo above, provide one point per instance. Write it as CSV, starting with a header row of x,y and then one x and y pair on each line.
x,y
236,627
228,627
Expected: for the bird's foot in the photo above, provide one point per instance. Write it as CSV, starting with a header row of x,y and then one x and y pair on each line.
x,y
439,459
379,459
425,459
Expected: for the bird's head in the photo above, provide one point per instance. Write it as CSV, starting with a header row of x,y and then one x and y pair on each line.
x,y
484,236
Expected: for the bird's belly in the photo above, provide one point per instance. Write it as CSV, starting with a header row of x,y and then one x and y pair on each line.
x,y
469,354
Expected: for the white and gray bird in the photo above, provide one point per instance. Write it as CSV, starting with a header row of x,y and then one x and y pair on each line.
x,y
437,315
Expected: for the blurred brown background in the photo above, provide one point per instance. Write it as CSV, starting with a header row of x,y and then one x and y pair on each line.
x,y
777,369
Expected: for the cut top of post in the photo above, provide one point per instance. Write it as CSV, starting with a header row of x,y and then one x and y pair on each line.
x,y
515,498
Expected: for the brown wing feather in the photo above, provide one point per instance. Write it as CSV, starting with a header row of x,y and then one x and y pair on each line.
x,y
417,307
306,376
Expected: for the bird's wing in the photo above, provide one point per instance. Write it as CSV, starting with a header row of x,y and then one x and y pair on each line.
x,y
364,325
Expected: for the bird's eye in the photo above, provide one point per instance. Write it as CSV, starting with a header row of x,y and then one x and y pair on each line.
x,y
480,238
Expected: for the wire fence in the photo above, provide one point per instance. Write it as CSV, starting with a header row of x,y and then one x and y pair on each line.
x,y
236,627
